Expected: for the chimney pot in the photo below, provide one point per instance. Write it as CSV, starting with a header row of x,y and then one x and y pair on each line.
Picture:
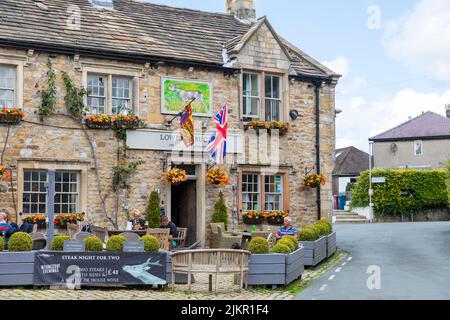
x,y
241,9
447,108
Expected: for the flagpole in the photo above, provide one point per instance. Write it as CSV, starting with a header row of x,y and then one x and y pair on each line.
x,y
181,113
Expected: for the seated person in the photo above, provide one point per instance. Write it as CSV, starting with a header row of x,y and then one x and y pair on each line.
x,y
6,229
137,221
287,229
167,224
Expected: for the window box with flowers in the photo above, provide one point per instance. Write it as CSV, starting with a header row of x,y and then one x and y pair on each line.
x,y
275,217
127,122
253,217
38,219
217,177
176,176
11,116
315,180
61,221
273,126
102,121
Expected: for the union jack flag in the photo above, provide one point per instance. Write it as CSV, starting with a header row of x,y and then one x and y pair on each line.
x,y
217,146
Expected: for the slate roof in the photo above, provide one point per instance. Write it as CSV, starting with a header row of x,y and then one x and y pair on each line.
x,y
350,162
428,125
134,29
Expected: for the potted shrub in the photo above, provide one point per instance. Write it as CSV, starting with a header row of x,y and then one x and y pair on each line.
x,y
151,244
93,244
11,116
58,243
102,121
220,213
329,235
176,176
115,244
315,246
253,217
217,177
20,242
2,244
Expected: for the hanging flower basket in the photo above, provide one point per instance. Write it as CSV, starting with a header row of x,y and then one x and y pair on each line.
x,y
270,127
253,218
315,180
217,177
102,121
11,116
5,174
176,176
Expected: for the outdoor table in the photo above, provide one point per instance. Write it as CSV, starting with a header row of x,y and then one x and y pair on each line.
x,y
118,232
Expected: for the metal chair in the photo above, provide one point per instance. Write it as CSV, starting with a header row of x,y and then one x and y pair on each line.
x,y
181,237
39,241
80,236
131,236
99,232
163,237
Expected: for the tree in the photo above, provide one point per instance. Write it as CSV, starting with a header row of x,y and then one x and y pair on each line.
x,y
153,211
220,211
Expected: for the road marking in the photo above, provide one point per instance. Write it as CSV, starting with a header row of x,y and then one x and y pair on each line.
x,y
322,288
344,263
349,258
331,277
338,269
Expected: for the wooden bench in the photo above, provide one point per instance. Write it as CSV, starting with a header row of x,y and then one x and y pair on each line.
x,y
210,261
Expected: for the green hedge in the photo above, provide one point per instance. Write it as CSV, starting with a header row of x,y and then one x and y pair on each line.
x,y
448,183
426,189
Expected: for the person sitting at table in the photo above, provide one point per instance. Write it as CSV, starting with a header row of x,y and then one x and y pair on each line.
x,y
137,222
287,229
167,224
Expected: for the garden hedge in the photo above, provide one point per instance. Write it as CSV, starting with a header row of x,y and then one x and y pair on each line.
x,y
405,191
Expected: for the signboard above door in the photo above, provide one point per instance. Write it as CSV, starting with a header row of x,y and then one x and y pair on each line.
x,y
160,140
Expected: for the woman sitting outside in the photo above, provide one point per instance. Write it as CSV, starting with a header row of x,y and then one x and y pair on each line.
x,y
287,229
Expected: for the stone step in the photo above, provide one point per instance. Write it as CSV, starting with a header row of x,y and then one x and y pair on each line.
x,y
352,221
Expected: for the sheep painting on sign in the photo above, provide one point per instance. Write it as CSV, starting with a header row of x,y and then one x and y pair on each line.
x,y
176,93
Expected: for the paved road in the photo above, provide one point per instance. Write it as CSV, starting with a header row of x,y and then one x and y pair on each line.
x,y
413,259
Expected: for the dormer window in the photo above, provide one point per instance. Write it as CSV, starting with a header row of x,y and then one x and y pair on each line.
x,y
102,4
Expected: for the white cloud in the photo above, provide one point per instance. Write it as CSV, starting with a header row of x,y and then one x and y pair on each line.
x,y
420,38
362,119
339,65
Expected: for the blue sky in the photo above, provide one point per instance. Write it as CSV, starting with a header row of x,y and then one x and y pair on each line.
x,y
391,72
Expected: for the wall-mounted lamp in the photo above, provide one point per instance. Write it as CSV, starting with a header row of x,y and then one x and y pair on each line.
x,y
293,114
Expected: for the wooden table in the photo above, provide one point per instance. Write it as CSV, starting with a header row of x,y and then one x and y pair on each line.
x,y
118,232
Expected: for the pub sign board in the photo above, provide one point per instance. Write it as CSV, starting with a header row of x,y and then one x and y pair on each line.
x,y
76,269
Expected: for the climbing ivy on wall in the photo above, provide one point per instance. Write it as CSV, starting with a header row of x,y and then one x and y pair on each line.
x,y
74,98
49,95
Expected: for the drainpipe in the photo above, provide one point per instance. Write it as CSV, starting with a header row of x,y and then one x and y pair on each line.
x,y
317,85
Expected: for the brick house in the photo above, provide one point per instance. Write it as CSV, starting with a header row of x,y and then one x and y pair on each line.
x,y
143,56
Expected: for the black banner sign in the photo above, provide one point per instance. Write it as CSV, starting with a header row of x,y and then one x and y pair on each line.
x,y
74,269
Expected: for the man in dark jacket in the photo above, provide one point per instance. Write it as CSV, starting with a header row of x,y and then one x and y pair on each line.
x,y
167,224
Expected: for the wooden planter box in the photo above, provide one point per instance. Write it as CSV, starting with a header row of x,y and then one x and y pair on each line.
x,y
331,244
16,268
275,269
315,251
98,125
10,119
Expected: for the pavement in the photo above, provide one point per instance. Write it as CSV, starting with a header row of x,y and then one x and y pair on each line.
x,y
398,261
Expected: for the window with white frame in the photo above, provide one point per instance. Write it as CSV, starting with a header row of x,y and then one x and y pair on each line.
x,y
7,86
273,195
109,94
273,100
34,198
250,192
251,95
418,148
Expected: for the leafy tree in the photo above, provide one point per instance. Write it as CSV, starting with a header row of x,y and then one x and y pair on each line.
x,y
220,211
153,211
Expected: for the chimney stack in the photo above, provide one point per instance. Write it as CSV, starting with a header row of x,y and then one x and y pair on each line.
x,y
241,9
447,107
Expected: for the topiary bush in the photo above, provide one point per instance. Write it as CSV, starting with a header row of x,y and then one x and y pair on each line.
x,y
321,229
115,244
151,244
288,243
2,244
258,245
58,243
308,234
281,248
405,191
93,244
220,212
327,224
20,242
154,211
294,241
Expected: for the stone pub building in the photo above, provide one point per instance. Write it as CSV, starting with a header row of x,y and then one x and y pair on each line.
x,y
148,59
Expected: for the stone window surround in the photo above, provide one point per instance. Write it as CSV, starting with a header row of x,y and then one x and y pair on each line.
x,y
19,62
263,171
283,74
109,71
63,165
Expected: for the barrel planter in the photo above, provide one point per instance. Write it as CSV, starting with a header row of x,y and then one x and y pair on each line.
x,y
275,269
331,244
16,268
315,251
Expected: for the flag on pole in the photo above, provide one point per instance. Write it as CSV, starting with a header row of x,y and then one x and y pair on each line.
x,y
217,146
187,126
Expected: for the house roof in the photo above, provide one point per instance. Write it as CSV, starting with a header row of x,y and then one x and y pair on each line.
x,y
135,29
428,125
350,162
